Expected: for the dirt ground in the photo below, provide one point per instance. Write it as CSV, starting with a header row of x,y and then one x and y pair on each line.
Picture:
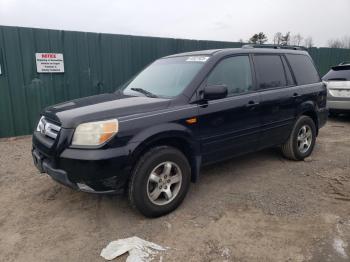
x,y
259,207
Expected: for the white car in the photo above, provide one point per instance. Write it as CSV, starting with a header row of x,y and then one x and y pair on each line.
x,y
338,86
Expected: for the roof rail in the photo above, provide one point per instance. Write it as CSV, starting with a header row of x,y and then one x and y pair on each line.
x,y
292,47
345,63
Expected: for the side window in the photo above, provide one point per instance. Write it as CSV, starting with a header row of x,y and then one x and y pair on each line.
x,y
270,71
303,68
290,80
235,73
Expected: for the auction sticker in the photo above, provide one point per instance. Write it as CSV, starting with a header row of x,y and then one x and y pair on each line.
x,y
197,59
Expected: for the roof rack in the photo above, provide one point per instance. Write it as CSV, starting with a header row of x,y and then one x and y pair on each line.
x,y
292,47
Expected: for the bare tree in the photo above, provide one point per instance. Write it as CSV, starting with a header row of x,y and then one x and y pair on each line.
x,y
308,42
343,42
346,41
285,40
296,39
335,43
277,38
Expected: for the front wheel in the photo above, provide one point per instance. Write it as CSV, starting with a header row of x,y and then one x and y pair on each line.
x,y
160,181
301,141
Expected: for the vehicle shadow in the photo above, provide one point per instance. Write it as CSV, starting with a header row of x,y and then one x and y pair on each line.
x,y
340,117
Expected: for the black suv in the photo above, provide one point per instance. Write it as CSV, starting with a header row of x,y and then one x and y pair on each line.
x,y
152,136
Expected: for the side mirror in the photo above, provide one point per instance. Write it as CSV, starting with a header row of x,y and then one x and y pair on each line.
x,y
213,92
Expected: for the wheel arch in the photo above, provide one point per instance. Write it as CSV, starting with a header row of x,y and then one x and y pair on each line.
x,y
309,109
181,140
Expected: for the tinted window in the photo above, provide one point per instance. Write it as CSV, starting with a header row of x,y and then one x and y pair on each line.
x,y
303,68
290,80
270,72
166,77
235,73
338,73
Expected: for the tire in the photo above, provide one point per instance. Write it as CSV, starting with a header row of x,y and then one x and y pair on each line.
x,y
298,149
166,164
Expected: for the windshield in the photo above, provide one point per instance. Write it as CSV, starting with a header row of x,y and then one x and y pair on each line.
x,y
166,77
339,73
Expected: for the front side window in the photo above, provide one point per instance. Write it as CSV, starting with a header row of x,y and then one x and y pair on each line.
x,y
235,73
167,77
270,71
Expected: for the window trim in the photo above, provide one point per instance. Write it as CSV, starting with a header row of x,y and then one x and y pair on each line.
x,y
286,62
252,70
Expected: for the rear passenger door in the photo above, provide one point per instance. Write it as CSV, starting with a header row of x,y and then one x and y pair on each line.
x,y
279,96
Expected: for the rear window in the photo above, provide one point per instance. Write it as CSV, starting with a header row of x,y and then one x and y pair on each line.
x,y
270,71
303,68
338,73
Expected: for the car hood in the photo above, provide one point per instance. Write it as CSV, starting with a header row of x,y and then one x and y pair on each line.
x,y
100,107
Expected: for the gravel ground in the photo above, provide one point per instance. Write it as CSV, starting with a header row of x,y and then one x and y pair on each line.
x,y
258,207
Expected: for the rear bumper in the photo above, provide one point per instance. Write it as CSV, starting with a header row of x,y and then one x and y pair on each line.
x,y
339,104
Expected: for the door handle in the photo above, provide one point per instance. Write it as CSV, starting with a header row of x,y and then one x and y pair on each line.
x,y
252,104
296,95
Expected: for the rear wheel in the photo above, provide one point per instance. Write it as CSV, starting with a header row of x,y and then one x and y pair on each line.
x,y
160,181
301,141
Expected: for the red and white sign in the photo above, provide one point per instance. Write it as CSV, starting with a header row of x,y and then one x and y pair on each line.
x,y
49,63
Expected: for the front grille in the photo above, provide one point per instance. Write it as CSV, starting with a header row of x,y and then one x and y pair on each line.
x,y
48,128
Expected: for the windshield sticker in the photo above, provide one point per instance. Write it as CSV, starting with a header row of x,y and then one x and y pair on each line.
x,y
197,59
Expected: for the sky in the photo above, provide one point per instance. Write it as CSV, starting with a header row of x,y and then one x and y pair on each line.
x,y
222,20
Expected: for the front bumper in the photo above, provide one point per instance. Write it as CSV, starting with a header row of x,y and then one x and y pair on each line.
x,y
88,170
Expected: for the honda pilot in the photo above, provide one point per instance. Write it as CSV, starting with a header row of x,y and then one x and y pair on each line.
x,y
153,135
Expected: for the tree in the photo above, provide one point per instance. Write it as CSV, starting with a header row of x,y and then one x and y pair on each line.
x,y
285,39
259,38
277,38
346,41
343,42
308,42
296,39
335,43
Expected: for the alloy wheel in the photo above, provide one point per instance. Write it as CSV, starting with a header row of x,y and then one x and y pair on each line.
x,y
164,183
304,139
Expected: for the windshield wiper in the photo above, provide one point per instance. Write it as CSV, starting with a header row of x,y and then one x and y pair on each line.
x,y
143,91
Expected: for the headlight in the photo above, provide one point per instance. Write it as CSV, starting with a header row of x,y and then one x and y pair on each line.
x,y
95,133
40,125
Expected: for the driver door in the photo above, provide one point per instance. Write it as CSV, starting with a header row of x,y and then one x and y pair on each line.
x,y
231,125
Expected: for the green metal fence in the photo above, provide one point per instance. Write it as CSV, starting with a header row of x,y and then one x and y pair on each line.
x,y
94,63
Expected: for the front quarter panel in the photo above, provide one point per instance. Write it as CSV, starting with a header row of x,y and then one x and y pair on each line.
x,y
170,122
